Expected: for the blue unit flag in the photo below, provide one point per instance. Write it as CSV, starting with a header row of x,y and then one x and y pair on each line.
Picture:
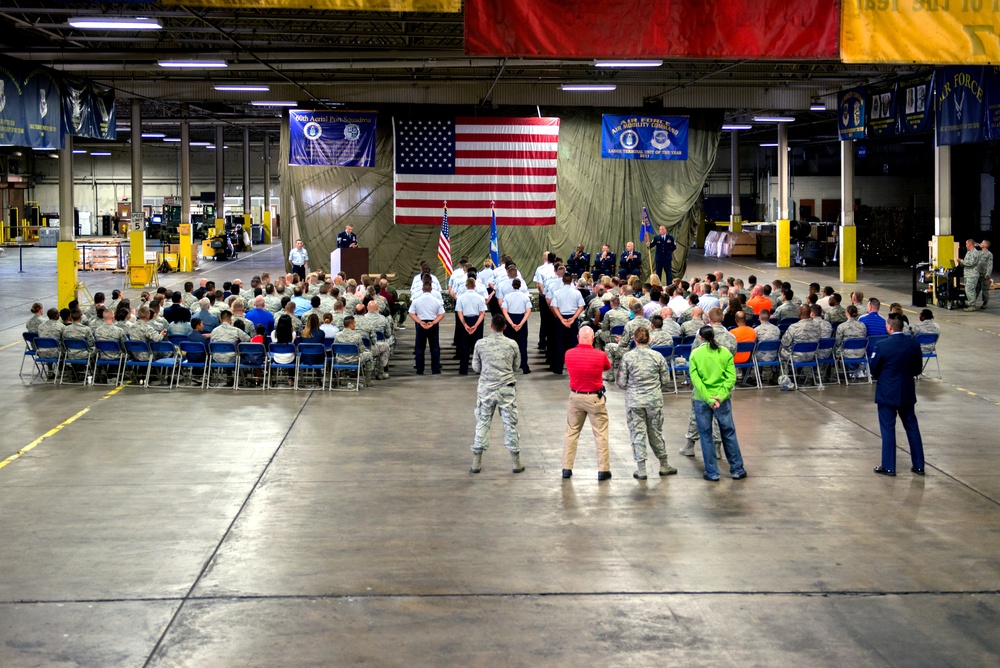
x,y
645,137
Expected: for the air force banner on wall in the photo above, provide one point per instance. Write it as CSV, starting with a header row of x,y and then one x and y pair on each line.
x,y
332,138
645,137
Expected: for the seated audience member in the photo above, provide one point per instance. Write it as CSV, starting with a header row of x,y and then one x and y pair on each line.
x,y
834,313
873,322
284,333
36,318
197,333
329,329
107,331
851,328
926,326
77,330
743,334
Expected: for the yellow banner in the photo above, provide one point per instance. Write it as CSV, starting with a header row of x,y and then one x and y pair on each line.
x,y
425,6
932,32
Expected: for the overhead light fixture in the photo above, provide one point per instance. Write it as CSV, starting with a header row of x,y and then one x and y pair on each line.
x,y
114,23
239,88
79,151
211,147
101,154
628,63
171,139
274,103
817,107
588,87
737,127
769,146
200,143
773,119
199,64
152,135
43,148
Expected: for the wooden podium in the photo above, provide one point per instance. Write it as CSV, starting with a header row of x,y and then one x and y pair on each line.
x,y
351,261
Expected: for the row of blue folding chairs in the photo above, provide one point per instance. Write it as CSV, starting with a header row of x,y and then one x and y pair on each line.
x,y
194,364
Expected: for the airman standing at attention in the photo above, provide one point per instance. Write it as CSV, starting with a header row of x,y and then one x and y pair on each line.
x,y
495,359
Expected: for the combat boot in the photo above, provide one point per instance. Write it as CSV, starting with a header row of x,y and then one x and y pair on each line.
x,y
477,463
640,473
688,449
665,468
516,465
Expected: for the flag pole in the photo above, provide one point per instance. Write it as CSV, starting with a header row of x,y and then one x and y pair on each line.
x,y
645,220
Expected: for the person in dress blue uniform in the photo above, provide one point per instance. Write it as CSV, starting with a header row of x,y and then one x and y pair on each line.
x,y
630,263
664,253
604,264
578,262
347,238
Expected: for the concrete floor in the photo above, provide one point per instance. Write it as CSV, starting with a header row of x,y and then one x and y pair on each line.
x,y
216,528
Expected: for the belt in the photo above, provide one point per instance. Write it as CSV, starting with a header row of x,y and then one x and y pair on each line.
x,y
427,320
594,392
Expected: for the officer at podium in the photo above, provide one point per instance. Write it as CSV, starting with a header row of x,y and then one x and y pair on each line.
x,y
347,238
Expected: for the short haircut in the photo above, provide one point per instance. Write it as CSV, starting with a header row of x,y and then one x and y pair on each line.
x,y
641,335
195,322
499,322
348,320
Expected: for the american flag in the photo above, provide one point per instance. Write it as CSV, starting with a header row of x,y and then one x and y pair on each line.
x,y
472,162
444,243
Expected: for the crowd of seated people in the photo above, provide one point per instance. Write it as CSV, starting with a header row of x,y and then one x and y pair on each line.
x,y
283,311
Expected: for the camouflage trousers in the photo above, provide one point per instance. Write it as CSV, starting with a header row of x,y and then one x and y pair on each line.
x,y
692,430
971,290
380,354
645,426
506,400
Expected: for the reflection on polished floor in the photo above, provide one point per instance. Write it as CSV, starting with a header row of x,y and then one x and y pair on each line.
x,y
216,528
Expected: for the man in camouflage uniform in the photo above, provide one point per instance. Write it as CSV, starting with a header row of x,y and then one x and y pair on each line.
x,y
835,313
642,375
660,335
825,328
272,302
806,330
226,333
691,326
143,330
380,350
616,350
615,316
107,331
77,330
787,308
926,326
972,264
496,358
852,328
289,310
339,314
766,332
985,271
90,313
349,334
670,326
326,300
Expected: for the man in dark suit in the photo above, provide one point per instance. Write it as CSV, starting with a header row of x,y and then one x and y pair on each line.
x,y
895,362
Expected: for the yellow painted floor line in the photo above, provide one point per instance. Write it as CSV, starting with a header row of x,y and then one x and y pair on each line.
x,y
11,345
55,430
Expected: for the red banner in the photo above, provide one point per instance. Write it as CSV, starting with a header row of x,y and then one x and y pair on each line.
x,y
730,29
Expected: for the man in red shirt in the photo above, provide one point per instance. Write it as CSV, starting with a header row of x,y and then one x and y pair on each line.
x,y
586,366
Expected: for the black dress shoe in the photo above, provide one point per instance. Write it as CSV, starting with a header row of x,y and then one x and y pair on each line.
x,y
916,470
881,470
567,473
603,475
740,476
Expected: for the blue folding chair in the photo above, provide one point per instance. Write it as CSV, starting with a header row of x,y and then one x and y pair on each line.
x,y
825,357
218,368
274,368
340,351
678,340
683,352
76,356
854,363
253,360
807,348
29,351
765,356
785,323
108,355
48,359
747,347
176,338
617,330
164,360
929,339
194,359
668,355
687,340
311,359
379,336
137,359
873,341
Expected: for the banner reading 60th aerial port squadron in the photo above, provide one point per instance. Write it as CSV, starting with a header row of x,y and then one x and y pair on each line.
x,y
645,137
331,138
920,31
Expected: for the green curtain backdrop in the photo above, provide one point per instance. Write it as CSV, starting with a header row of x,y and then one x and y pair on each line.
x,y
599,201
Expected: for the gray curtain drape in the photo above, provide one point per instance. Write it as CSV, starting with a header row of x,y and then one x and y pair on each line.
x,y
599,201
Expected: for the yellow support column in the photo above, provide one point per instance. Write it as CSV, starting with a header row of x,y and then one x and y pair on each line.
x,y
137,240
736,224
220,225
943,247
184,256
848,254
267,227
784,244
66,272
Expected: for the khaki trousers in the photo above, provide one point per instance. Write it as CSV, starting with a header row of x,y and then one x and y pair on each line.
x,y
581,407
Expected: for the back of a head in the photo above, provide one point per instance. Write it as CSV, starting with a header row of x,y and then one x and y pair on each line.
x,y
283,330
894,322
874,303
764,315
926,314
656,321
741,318
788,294
586,335
498,322
636,307
641,336
715,315
852,311
708,336
816,311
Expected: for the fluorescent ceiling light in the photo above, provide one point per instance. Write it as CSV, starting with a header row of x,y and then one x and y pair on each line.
x,y
101,153
243,88
817,107
79,151
43,148
773,119
200,64
152,135
199,143
114,23
211,147
172,139
769,146
273,103
588,87
628,63
737,127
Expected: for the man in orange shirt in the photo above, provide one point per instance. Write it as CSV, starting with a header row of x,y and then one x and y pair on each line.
x,y
757,301
743,334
